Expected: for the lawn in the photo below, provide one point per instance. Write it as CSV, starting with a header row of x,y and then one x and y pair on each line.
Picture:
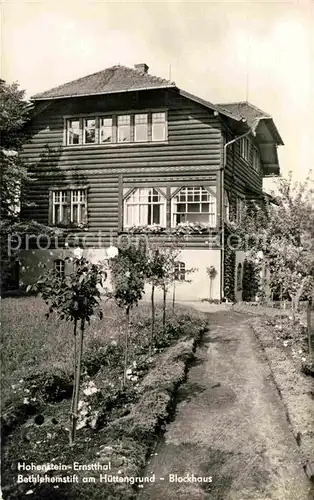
x,y
116,425
31,342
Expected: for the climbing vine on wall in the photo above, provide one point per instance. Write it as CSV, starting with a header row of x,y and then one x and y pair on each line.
x,y
229,273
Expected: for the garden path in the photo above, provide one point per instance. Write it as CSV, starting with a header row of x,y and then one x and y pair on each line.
x,y
230,424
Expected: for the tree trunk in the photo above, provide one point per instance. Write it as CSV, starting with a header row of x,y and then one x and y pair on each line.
x,y
210,288
126,347
152,334
77,382
295,299
164,308
74,372
173,294
293,304
280,306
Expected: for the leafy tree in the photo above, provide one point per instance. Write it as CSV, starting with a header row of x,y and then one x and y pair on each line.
x,y
283,236
14,113
74,297
128,271
161,273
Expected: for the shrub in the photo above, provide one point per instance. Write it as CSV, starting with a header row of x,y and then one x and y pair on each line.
x,y
97,356
48,386
308,368
15,414
142,422
212,301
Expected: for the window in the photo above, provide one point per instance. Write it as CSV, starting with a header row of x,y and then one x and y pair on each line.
x,y
74,132
245,148
194,204
124,128
179,271
240,208
59,207
117,129
256,160
226,206
239,277
90,131
141,128
78,207
69,207
144,206
158,126
105,130
59,267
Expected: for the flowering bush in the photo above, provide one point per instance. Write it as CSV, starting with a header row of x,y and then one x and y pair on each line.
x,y
180,229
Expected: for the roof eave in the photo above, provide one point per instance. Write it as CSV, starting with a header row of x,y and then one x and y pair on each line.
x,y
38,97
274,130
210,105
271,170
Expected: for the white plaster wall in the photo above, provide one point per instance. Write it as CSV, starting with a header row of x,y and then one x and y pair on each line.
x,y
31,261
199,287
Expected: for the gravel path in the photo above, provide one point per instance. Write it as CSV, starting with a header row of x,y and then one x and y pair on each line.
x,y
230,424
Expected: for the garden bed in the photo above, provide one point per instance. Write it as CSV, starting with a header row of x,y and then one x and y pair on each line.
x,y
117,427
286,349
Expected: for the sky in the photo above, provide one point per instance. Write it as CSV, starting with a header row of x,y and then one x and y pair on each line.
x,y
222,51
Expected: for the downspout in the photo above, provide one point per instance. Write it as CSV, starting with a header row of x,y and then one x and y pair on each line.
x,y
224,163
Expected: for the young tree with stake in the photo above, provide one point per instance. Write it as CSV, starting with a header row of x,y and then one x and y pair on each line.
x,y
74,297
128,271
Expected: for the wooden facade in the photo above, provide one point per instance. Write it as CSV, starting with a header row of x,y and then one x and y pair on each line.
x,y
191,155
196,152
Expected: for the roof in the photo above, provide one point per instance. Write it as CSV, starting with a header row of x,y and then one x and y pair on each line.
x,y
244,109
252,114
115,79
123,79
208,104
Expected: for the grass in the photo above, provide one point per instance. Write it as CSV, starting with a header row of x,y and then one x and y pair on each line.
x,y
39,360
33,343
285,346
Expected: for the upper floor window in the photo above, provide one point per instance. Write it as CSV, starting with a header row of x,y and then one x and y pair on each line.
x,y
68,207
144,207
179,271
159,126
239,208
124,128
105,130
117,128
73,132
140,127
256,160
226,206
89,131
194,204
245,148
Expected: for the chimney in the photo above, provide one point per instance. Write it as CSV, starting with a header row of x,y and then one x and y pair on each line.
x,y
141,67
